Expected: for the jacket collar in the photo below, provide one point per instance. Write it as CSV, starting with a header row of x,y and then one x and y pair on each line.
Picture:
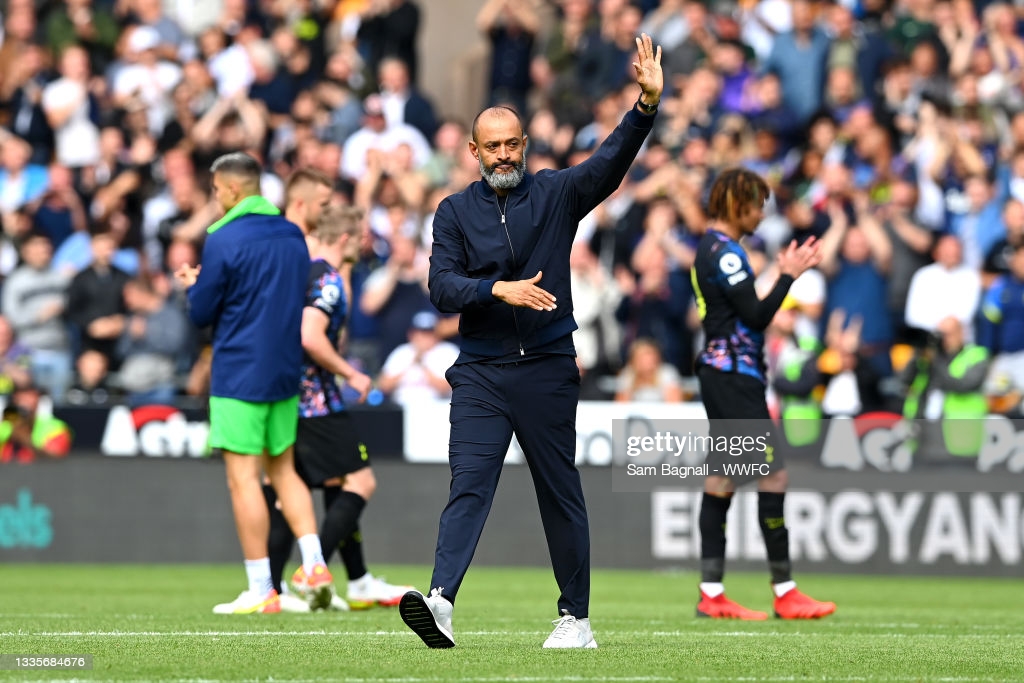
x,y
250,205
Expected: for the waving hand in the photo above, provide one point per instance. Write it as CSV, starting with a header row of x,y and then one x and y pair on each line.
x,y
649,75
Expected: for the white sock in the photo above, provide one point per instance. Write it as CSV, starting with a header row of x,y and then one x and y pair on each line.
x,y
258,572
783,588
712,590
312,554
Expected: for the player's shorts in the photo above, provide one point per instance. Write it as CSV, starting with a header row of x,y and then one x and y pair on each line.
x,y
738,412
328,447
250,428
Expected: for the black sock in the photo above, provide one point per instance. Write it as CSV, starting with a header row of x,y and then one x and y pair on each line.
x,y
341,520
776,536
712,537
331,494
281,540
351,550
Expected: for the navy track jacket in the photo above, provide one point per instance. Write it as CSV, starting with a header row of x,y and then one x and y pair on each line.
x,y
252,289
472,249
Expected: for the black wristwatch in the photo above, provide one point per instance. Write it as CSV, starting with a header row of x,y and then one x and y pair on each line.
x,y
648,109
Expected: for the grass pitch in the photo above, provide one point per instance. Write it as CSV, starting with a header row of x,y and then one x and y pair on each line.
x,y
155,623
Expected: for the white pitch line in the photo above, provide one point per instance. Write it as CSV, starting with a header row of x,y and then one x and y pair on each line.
x,y
566,679
230,634
882,679
445,679
838,627
827,634
612,634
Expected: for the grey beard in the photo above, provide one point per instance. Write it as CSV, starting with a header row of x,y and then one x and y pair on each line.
x,y
504,181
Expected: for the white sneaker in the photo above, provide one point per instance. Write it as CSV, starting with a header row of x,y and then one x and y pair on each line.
x,y
370,590
251,603
293,603
429,617
338,604
571,632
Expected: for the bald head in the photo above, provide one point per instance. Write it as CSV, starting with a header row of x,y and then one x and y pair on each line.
x,y
500,115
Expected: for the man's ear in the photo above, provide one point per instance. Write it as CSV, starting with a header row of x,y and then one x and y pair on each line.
x,y
473,150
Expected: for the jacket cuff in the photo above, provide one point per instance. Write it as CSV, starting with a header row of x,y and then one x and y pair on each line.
x,y
638,119
483,292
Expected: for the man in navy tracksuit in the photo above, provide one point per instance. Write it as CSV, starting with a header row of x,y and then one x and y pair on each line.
x,y
501,259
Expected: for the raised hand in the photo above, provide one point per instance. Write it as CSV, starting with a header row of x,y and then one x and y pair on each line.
x,y
525,293
794,260
649,75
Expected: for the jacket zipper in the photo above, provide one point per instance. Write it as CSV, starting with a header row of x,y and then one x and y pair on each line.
x,y
515,318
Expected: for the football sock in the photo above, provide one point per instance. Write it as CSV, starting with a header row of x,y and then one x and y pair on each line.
x,y
342,519
776,536
781,589
712,590
258,572
330,494
351,550
309,546
281,540
713,510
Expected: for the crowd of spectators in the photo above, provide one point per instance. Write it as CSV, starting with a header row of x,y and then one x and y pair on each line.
x,y
893,131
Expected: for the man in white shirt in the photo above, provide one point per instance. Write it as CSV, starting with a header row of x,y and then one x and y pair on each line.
x,y
414,372
377,134
229,66
402,102
66,104
147,78
945,288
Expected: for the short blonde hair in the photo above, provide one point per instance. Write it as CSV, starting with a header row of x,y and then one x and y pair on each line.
x,y
338,221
